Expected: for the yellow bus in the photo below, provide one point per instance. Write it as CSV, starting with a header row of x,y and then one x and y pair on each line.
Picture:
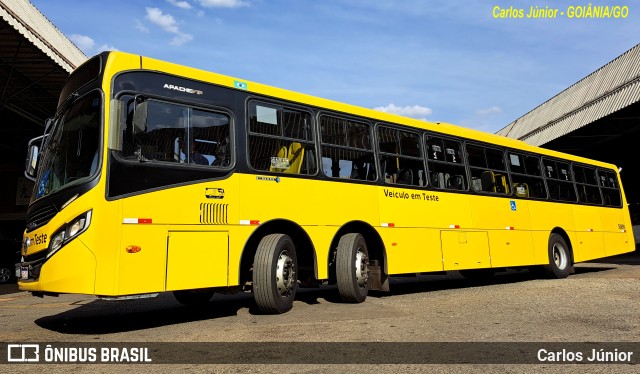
x,y
154,177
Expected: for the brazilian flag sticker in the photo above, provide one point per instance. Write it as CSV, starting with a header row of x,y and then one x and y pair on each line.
x,y
240,85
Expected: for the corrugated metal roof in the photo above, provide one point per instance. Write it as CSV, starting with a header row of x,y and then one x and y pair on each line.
x,y
614,86
35,27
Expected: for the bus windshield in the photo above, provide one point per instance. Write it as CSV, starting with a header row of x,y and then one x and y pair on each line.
x,y
71,150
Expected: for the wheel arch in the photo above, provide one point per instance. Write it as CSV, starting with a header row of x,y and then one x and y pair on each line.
x,y
375,247
305,251
560,231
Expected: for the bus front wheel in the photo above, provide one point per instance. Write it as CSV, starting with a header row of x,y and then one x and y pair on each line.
x,y
274,274
352,268
560,264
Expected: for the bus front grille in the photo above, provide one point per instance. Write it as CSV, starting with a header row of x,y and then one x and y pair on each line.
x,y
40,216
214,214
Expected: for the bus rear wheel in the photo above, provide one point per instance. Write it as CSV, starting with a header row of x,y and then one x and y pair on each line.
x,y
560,264
275,277
194,298
352,268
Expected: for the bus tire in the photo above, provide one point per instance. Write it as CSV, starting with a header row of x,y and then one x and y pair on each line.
x,y
275,274
560,265
352,268
194,298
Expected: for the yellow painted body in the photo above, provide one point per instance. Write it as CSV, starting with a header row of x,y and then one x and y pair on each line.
x,y
188,245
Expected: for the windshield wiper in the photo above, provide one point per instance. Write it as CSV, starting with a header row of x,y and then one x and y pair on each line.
x,y
68,101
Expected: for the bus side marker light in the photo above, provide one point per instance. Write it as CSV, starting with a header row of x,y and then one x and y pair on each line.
x,y
133,249
386,224
589,230
253,222
137,220
510,228
454,226
394,244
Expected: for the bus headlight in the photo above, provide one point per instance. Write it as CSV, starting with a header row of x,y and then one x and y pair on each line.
x,y
56,241
68,232
76,226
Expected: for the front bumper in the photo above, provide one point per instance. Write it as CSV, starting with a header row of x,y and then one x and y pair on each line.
x,y
70,270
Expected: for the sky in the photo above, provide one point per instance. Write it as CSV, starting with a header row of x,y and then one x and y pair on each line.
x,y
437,60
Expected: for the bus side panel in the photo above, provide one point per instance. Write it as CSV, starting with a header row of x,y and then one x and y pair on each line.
x,y
465,249
238,236
197,259
544,218
306,203
321,237
508,224
104,240
618,235
143,271
424,209
413,219
511,248
590,242
412,250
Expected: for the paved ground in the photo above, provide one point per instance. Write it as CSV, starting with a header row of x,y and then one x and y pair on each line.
x,y
600,303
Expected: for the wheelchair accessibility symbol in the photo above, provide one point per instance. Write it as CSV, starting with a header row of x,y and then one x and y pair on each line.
x,y
513,205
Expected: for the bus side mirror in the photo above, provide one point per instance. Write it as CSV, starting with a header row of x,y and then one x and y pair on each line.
x,y
33,156
140,117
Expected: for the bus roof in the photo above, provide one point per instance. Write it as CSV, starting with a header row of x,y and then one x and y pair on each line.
x,y
148,63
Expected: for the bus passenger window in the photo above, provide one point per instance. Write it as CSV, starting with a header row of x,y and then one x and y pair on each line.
x,y
281,139
446,170
348,165
401,157
609,188
587,185
488,169
560,184
526,176
346,149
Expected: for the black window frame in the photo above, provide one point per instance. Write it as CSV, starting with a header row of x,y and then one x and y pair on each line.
x,y
616,187
444,163
585,198
373,149
558,179
401,177
501,173
281,106
127,117
526,174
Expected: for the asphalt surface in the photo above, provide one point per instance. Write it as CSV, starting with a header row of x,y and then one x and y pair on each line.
x,y
599,303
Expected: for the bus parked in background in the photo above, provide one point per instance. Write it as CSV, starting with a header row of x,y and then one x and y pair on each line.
x,y
154,177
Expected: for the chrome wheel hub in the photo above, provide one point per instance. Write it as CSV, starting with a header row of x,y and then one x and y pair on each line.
x,y
362,268
285,274
560,256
